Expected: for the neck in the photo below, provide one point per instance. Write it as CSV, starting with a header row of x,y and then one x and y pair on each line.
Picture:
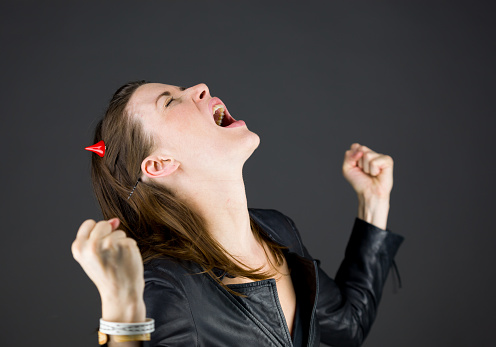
x,y
223,206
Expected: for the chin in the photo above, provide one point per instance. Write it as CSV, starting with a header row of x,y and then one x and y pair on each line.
x,y
255,141
245,145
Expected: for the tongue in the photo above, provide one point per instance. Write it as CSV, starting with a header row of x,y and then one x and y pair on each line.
x,y
238,123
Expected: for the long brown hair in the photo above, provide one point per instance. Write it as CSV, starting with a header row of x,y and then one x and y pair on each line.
x,y
161,224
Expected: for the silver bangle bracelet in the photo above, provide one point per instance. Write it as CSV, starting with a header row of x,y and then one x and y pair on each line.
x,y
112,328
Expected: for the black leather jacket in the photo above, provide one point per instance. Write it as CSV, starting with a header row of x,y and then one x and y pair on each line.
x,y
193,310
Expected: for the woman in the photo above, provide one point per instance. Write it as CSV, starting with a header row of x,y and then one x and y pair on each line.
x,y
217,273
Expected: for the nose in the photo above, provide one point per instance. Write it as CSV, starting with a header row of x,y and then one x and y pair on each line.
x,y
199,92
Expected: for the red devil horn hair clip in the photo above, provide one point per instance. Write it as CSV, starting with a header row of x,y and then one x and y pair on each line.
x,y
98,148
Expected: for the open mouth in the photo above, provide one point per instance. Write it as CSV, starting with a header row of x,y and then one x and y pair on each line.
x,y
221,116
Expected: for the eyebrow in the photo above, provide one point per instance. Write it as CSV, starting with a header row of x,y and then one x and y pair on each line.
x,y
167,93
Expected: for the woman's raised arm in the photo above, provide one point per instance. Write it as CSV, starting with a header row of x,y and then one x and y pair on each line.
x,y
371,176
347,305
114,264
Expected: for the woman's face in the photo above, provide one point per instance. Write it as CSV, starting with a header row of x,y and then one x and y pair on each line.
x,y
183,126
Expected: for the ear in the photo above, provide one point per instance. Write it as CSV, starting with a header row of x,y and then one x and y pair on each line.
x,y
155,166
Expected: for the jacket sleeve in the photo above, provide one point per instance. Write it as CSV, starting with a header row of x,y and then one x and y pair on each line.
x,y
167,303
347,305
168,306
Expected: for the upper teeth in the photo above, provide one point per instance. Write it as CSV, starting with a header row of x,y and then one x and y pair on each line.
x,y
221,114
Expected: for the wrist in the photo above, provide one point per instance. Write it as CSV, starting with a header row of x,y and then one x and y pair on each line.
x,y
124,311
374,210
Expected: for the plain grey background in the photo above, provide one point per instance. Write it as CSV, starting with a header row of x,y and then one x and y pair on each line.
x,y
415,80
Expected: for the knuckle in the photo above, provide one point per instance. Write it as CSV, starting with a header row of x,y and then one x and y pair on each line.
x,y
108,243
75,244
89,221
119,233
376,161
94,247
75,249
101,228
386,159
129,242
101,223
87,224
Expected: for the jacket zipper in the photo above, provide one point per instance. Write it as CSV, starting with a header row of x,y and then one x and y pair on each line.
x,y
311,332
281,312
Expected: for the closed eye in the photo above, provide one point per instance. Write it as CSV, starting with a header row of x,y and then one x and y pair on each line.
x,y
169,102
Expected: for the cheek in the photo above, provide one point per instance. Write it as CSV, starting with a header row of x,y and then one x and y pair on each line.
x,y
188,137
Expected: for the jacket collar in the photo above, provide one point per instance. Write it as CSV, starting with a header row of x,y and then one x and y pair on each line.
x,y
278,227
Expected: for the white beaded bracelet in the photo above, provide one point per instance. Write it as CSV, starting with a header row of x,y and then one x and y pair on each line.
x,y
112,328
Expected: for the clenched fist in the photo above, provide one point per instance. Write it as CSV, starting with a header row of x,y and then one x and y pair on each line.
x,y
113,262
369,173
371,176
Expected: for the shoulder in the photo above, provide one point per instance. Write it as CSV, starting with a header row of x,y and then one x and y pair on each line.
x,y
279,227
167,270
